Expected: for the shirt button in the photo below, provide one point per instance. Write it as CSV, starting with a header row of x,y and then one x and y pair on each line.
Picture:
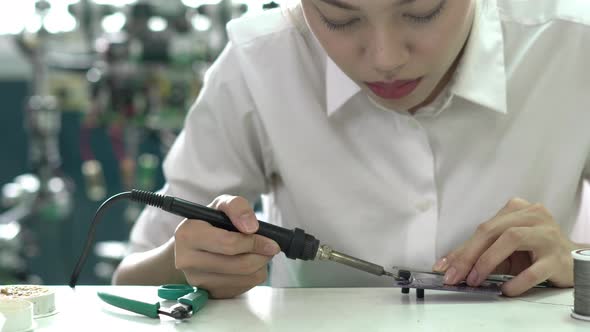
x,y
424,206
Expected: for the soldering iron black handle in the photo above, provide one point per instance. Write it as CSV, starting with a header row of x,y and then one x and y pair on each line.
x,y
294,243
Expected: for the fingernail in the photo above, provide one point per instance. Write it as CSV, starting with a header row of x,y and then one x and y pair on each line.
x,y
472,278
441,265
450,275
271,248
247,222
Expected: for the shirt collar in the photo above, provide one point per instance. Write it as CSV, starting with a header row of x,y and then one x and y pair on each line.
x,y
339,87
480,77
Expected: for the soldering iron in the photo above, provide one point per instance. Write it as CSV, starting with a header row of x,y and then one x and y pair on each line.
x,y
296,244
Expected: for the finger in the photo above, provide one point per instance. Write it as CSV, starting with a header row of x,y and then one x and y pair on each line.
x,y
239,211
200,235
515,238
224,285
462,260
527,279
202,261
514,204
441,265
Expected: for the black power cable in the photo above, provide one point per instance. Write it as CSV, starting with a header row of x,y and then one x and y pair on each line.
x,y
296,244
91,233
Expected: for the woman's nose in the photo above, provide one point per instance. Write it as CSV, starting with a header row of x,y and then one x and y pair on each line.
x,y
389,52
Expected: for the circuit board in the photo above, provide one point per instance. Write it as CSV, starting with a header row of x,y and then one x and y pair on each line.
x,y
435,282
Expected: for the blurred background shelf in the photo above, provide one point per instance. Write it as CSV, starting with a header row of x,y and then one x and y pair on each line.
x,y
93,94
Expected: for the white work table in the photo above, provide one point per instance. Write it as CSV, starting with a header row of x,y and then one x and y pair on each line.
x,y
324,309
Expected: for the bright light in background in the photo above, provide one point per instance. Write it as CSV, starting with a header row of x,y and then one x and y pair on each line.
x,y
61,21
9,231
157,24
21,14
32,24
28,182
113,23
201,23
13,21
253,4
118,3
197,3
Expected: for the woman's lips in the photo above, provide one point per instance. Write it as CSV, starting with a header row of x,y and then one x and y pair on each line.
x,y
394,90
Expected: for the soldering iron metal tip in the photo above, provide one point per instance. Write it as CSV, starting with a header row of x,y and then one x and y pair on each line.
x,y
395,276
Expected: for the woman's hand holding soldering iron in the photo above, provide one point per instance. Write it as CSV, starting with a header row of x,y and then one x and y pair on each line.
x,y
522,240
224,263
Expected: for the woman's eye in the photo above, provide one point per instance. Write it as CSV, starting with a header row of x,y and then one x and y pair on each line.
x,y
428,17
338,26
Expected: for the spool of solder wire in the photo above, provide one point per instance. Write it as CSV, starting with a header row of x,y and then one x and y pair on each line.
x,y
581,309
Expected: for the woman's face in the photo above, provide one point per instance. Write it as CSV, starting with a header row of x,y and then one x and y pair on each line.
x,y
401,52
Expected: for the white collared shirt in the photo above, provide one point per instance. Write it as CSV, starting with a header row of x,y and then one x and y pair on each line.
x,y
277,116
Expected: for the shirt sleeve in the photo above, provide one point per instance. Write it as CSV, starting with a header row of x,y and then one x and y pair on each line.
x,y
219,151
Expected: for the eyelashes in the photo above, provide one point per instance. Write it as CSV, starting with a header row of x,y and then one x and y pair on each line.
x,y
338,26
431,16
420,19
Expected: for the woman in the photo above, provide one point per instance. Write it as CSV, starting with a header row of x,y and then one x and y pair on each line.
x,y
396,131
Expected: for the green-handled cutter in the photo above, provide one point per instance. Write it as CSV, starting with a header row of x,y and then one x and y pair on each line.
x,y
189,298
